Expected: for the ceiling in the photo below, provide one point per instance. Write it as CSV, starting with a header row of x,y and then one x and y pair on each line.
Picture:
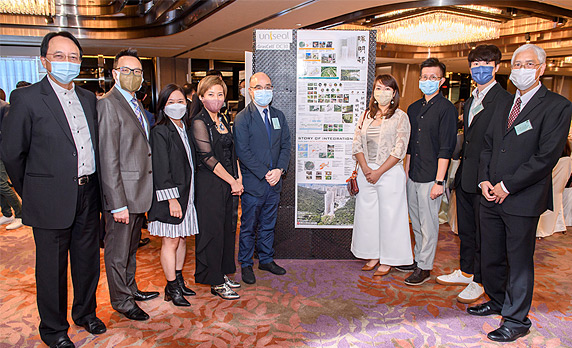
x,y
223,29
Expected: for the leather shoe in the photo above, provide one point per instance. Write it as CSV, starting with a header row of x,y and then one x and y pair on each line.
x,y
93,325
482,310
506,334
62,342
143,242
136,313
272,267
248,275
145,295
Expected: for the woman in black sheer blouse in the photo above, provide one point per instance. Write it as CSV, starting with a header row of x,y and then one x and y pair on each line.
x,y
218,178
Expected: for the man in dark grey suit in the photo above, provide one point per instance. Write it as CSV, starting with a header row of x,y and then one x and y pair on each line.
x,y
127,182
50,151
515,175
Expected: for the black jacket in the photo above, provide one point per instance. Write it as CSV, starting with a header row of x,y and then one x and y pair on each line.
x,y
171,169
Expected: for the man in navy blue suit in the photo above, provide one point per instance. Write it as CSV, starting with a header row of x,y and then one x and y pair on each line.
x,y
262,142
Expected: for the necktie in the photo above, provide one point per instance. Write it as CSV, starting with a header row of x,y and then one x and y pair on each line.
x,y
268,130
514,113
138,113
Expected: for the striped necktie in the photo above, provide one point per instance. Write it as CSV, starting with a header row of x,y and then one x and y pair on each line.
x,y
138,113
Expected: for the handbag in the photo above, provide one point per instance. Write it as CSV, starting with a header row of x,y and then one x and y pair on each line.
x,y
351,183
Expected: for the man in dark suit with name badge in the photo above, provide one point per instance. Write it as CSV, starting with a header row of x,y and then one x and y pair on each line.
x,y
262,140
521,148
50,151
480,109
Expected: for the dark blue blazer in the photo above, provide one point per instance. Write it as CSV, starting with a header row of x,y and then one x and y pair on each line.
x,y
256,153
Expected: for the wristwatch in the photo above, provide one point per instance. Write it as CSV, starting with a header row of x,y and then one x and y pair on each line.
x,y
440,182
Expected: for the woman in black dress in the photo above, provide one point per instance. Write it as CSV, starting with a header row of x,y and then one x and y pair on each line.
x,y
218,178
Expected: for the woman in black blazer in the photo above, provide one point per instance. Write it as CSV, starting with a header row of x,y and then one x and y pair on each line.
x,y
218,179
172,215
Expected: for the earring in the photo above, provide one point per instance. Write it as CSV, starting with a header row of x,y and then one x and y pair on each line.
x,y
392,102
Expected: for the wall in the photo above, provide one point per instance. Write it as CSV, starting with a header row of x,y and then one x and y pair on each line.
x,y
411,92
171,70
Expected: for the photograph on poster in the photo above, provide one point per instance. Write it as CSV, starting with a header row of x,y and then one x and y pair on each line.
x,y
321,205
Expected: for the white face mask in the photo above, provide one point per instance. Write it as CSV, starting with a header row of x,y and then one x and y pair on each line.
x,y
523,79
176,111
242,91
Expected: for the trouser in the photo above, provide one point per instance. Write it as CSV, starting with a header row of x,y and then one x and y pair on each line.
x,y
424,215
52,247
121,242
261,213
469,233
8,198
507,261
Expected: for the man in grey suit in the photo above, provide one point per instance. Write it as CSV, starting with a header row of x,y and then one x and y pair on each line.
x,y
127,182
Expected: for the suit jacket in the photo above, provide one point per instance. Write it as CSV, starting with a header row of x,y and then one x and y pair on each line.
x,y
524,162
171,169
495,100
40,156
256,153
126,168
4,107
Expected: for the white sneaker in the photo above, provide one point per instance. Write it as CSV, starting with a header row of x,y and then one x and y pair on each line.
x,y
472,292
455,278
17,223
6,220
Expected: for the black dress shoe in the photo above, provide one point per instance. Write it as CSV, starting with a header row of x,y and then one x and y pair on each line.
x,y
145,295
93,325
248,275
181,282
506,334
272,267
407,268
143,242
482,310
136,313
62,342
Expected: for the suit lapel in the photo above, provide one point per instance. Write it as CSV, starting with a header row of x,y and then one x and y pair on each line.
x,y
467,111
257,118
524,113
177,138
88,114
129,111
53,104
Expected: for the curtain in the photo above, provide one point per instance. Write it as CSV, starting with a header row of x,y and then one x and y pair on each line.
x,y
15,69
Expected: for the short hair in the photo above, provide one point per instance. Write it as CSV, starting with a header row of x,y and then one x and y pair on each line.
x,y
2,94
485,53
214,72
49,36
127,52
99,90
21,84
433,62
540,53
388,81
189,88
207,82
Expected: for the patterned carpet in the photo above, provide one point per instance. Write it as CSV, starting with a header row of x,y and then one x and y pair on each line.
x,y
317,303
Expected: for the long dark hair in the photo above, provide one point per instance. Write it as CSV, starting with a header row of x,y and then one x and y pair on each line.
x,y
160,116
388,81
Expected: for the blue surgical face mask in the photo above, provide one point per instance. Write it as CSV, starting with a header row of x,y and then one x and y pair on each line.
x,y
263,97
64,72
482,74
429,87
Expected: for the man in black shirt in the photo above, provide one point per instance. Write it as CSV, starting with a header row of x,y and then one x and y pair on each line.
x,y
433,136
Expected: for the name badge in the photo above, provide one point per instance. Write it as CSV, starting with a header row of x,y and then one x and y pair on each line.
x,y
523,127
275,123
478,109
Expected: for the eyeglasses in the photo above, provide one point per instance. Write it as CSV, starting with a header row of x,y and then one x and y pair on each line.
x,y
127,71
430,78
60,57
526,65
260,88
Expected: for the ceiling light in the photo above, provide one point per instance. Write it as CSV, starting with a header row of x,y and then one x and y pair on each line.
x,y
479,8
438,28
28,7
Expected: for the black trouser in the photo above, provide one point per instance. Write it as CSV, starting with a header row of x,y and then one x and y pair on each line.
x,y
507,261
81,239
468,225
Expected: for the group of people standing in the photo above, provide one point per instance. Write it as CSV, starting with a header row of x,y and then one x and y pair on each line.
x,y
77,160
503,184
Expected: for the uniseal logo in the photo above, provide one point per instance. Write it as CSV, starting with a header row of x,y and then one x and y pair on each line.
x,y
273,39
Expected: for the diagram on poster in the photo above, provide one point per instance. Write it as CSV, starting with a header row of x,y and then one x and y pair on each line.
x,y
332,69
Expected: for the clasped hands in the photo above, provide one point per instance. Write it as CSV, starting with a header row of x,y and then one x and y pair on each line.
x,y
273,176
236,187
371,175
493,193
